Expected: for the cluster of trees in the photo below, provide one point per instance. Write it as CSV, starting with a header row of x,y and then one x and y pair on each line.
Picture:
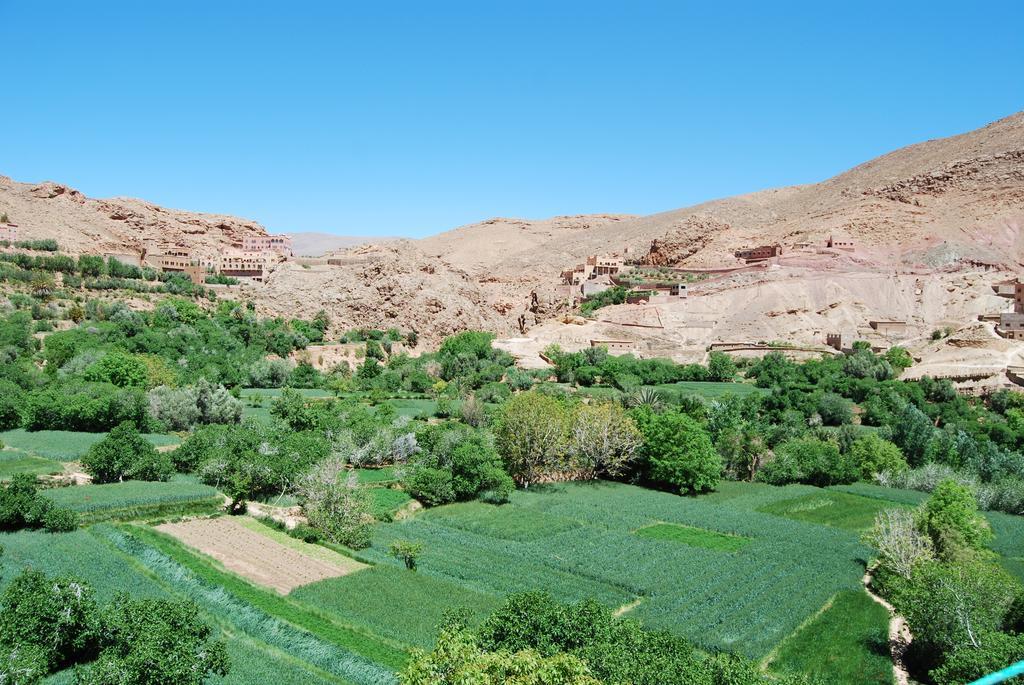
x,y
594,366
534,639
966,613
52,623
21,506
938,432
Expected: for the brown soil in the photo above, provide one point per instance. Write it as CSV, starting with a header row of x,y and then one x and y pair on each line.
x,y
254,556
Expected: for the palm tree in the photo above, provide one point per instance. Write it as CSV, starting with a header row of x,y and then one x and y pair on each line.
x,y
645,397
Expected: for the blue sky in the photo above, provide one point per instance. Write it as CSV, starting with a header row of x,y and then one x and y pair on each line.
x,y
396,118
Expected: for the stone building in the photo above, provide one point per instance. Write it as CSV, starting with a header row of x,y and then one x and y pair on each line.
x,y
840,243
1011,325
615,347
281,244
889,327
9,232
244,265
678,290
760,253
594,266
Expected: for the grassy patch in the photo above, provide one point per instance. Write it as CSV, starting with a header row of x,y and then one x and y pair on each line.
x,y
376,476
911,497
831,508
695,537
846,644
135,500
385,502
403,605
66,445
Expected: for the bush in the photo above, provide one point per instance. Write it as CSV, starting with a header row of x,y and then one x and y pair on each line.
x,y
834,410
125,455
677,451
967,664
431,486
60,520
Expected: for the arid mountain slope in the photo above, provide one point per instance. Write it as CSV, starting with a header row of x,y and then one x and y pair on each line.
x,y
118,225
927,209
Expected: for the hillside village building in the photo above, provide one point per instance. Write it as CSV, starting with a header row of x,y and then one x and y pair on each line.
x,y
593,267
889,327
281,244
840,243
615,347
1011,325
9,232
760,253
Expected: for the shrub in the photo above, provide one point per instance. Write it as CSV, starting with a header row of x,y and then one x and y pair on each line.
x,y
968,664
834,409
431,486
60,520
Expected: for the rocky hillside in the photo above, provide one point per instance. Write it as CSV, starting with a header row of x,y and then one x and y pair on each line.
x,y
934,205
118,225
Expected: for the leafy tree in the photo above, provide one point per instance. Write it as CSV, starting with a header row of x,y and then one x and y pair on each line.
x,y
968,664
953,605
834,409
409,552
950,518
603,439
677,451
900,545
124,454
430,485
336,505
531,434
21,506
458,660
10,405
22,664
721,367
58,616
871,454
120,369
808,460
153,642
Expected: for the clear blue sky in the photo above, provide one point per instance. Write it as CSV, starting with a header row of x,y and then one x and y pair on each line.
x,y
411,118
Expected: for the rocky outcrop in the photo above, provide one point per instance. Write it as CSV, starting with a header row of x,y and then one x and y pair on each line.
x,y
684,240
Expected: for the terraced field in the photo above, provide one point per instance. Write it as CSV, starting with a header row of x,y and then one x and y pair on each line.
x,y
136,499
66,445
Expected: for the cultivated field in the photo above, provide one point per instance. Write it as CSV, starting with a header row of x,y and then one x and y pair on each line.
x,y
13,462
136,499
66,445
256,556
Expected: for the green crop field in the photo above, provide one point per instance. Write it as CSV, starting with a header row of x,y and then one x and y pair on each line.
x,y
135,499
66,445
847,644
376,476
578,540
708,390
13,462
695,537
402,605
831,508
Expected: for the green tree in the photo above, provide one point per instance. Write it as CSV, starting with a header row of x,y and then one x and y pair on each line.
x,y
155,642
808,460
677,451
457,659
721,367
336,505
603,439
950,518
58,616
531,434
407,551
124,454
122,369
871,454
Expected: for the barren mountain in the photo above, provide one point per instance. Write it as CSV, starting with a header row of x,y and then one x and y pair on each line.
x,y
920,215
117,225
311,244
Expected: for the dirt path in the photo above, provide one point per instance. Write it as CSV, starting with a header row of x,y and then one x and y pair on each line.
x,y
899,635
